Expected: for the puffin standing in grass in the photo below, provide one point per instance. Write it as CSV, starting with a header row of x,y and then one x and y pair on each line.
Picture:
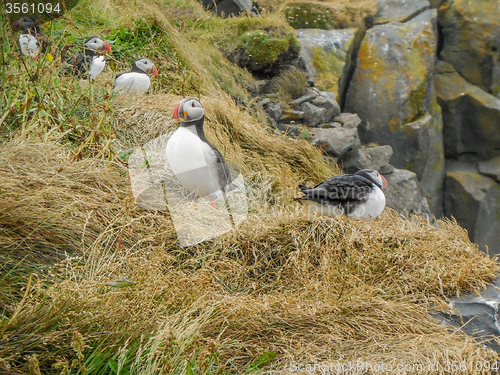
x,y
31,41
136,80
357,195
90,63
196,163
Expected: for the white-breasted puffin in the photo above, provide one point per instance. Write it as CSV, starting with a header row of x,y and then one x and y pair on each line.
x,y
136,80
196,163
357,195
31,41
90,63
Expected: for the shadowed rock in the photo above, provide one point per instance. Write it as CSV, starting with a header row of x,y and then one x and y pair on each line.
x,y
472,199
471,33
405,193
470,116
392,91
399,11
369,158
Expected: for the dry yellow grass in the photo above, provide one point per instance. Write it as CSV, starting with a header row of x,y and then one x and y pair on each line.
x,y
306,287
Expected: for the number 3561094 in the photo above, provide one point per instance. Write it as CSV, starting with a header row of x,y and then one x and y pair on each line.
x,y
32,8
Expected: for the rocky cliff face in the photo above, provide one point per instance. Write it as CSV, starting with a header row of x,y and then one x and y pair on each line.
x,y
425,79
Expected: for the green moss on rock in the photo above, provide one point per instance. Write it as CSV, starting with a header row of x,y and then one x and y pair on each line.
x,y
310,16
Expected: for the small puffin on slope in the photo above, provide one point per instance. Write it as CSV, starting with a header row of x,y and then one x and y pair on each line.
x,y
197,164
31,41
90,63
357,195
136,80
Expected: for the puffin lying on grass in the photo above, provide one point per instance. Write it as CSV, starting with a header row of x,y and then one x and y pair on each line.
x,y
196,163
31,41
90,63
357,195
136,80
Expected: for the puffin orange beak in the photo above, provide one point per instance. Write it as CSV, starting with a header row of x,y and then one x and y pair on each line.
x,y
385,182
108,48
155,72
14,25
176,112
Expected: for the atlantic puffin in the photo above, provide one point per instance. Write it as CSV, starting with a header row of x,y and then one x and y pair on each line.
x,y
196,163
90,63
136,80
357,195
31,41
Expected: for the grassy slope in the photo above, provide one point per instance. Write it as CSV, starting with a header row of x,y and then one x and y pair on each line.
x,y
285,283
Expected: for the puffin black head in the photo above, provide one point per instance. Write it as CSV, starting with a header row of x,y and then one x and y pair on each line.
x,y
96,44
373,176
189,109
25,23
145,66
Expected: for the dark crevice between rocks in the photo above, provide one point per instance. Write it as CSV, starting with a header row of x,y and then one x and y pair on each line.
x,y
350,64
440,39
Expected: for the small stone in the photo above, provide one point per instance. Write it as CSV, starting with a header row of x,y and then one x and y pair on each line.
x,y
313,116
368,158
336,141
307,97
349,120
289,116
332,107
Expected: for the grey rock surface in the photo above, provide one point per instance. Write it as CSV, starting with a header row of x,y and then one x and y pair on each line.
x,y
367,158
476,315
405,193
348,120
288,117
471,41
329,46
335,141
399,10
471,117
472,199
313,116
331,106
398,107
307,97
490,168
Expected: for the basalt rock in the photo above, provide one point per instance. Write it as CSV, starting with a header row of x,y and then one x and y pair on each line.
x,y
325,53
471,41
470,116
472,199
392,91
399,11
405,193
368,158
335,141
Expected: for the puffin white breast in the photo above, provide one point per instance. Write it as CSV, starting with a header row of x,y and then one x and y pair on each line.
x,y
96,66
373,206
194,163
132,82
29,45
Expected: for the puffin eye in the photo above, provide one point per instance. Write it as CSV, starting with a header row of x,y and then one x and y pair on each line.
x,y
192,104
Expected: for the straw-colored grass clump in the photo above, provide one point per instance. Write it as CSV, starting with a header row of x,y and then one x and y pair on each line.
x,y
284,286
308,288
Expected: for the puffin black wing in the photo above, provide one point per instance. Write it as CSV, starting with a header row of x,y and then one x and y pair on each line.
x,y
346,191
223,172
